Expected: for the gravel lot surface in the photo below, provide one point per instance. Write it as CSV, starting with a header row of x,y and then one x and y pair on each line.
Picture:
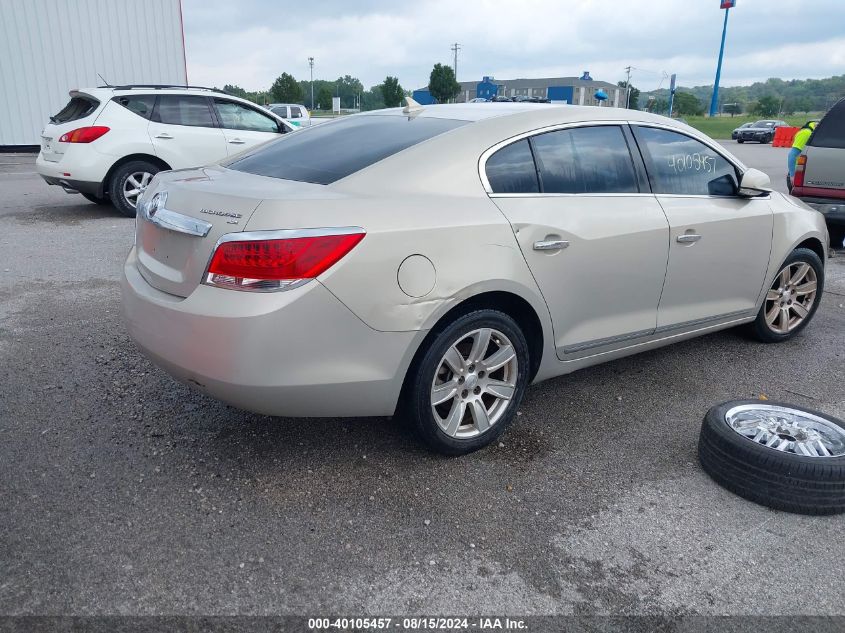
x,y
124,492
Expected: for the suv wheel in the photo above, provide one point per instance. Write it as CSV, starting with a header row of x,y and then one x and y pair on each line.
x,y
837,235
128,183
793,298
469,382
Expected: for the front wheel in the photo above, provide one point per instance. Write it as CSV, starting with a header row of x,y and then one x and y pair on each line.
x,y
469,382
792,299
128,183
740,141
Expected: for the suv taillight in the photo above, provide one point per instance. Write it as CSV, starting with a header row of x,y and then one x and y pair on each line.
x,y
800,166
84,134
248,262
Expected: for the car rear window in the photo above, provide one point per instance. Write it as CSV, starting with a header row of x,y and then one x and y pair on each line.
x,y
328,152
830,132
77,108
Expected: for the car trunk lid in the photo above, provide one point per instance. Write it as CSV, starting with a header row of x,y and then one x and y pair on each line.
x,y
81,111
202,205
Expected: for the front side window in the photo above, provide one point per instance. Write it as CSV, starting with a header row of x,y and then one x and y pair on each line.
x,y
281,111
679,164
511,170
326,153
183,110
142,105
236,116
585,160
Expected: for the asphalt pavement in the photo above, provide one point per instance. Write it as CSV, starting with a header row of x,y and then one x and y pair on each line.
x,y
124,492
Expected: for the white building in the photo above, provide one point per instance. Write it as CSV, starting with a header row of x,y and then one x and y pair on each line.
x,y
48,47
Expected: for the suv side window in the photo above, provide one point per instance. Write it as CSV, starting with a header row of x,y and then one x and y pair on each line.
x,y
236,116
511,169
679,164
183,110
585,160
281,111
295,112
142,105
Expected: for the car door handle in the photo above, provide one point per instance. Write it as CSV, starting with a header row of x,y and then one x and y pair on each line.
x,y
688,238
236,141
163,135
550,245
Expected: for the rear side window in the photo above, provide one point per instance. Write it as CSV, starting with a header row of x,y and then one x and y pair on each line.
x,y
183,110
142,105
830,132
585,160
331,151
295,113
511,170
77,108
281,111
679,164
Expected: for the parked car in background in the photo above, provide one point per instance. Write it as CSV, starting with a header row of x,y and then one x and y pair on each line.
x,y
108,142
735,133
820,172
478,100
760,131
324,275
293,113
501,99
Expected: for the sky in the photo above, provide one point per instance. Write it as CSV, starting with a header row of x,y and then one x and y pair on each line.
x,y
250,42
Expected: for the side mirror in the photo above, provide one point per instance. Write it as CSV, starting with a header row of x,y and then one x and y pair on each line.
x,y
754,183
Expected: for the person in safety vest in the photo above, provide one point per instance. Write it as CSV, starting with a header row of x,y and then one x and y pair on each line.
x,y
798,145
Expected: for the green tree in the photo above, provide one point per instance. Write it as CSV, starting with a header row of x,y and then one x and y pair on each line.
x,y
687,104
767,106
324,98
372,99
348,88
286,89
236,90
442,84
391,92
634,98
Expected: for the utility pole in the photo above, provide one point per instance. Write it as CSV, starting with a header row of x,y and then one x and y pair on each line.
x,y
455,48
714,102
628,87
311,65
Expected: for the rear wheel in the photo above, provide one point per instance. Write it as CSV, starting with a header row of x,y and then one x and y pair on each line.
x,y
466,388
95,199
793,298
740,141
128,183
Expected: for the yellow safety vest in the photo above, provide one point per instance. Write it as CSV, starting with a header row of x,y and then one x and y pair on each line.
x,y
802,136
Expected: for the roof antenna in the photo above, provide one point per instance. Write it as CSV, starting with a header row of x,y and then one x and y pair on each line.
x,y
412,106
108,85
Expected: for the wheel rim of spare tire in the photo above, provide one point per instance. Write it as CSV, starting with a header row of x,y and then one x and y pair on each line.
x,y
787,430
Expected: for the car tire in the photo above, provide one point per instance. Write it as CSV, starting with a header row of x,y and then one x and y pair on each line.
x,y
791,301
480,399
740,141
761,470
123,182
90,197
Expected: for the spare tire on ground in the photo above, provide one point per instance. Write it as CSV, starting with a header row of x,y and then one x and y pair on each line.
x,y
777,454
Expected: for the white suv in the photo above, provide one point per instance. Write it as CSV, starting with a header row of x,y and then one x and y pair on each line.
x,y
295,114
108,142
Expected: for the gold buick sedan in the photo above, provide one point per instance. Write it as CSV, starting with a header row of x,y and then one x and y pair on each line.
x,y
434,261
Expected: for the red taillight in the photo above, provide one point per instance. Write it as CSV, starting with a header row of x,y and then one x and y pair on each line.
x,y
277,263
800,166
84,134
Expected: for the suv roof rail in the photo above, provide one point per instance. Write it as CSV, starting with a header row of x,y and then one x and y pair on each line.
x,y
163,86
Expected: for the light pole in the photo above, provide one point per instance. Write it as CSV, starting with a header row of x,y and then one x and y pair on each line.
x,y
727,5
311,65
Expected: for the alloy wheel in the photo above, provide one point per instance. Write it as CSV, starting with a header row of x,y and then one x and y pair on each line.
x,y
474,383
134,186
790,299
787,430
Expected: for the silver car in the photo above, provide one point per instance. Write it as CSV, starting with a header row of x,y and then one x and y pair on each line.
x,y
435,261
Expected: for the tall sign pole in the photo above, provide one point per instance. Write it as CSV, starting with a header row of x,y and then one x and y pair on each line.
x,y
727,5
311,64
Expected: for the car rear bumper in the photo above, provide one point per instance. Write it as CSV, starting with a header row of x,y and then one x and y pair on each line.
x,y
86,175
294,353
833,209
